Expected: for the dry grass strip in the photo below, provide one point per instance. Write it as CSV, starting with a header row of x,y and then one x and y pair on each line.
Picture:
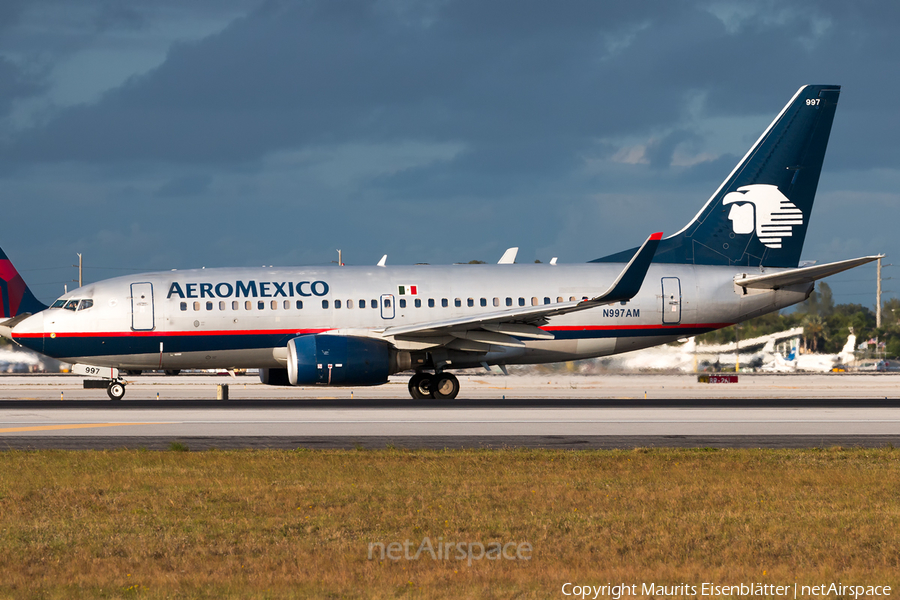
x,y
282,524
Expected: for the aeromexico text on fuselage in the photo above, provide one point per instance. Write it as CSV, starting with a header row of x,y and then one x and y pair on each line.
x,y
248,289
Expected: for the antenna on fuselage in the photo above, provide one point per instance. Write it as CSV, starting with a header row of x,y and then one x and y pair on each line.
x,y
383,261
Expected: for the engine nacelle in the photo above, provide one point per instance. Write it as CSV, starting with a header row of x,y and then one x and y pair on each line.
x,y
338,360
274,376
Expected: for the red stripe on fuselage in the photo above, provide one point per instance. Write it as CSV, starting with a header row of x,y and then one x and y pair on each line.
x,y
99,334
112,334
635,327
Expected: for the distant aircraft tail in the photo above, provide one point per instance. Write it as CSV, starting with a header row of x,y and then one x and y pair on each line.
x,y
848,352
15,297
760,213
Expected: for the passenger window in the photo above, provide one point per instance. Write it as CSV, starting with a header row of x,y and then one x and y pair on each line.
x,y
324,303
572,298
287,305
386,303
235,305
496,301
261,305
546,300
509,301
484,301
349,303
337,303
248,305
362,303
221,305
457,302
534,301
521,301
85,304
444,303
431,303
418,303
71,305
402,302
559,299
274,304
299,304
374,303
184,306
196,306
470,302
209,305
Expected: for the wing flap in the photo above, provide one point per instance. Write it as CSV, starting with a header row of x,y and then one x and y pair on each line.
x,y
519,330
488,337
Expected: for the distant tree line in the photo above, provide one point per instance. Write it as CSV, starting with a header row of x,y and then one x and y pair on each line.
x,y
826,325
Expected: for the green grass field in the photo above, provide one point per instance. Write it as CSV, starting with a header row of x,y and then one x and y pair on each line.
x,y
280,524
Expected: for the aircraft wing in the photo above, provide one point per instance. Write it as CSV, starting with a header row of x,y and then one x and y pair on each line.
x,y
782,279
522,322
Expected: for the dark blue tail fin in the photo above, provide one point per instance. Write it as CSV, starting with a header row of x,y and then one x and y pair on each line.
x,y
760,213
15,297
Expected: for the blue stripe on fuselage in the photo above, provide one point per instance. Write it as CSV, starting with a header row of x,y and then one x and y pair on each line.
x,y
97,345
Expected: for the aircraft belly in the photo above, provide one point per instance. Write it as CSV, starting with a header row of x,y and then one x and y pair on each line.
x,y
541,351
220,359
627,344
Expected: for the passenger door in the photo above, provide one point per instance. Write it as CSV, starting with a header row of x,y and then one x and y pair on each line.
x,y
671,300
142,307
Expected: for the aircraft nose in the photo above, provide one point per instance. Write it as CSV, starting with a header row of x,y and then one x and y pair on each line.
x,y
29,332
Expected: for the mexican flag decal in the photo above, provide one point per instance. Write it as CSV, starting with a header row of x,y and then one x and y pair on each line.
x,y
411,290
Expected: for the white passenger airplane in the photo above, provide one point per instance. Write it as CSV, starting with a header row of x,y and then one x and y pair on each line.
x,y
351,326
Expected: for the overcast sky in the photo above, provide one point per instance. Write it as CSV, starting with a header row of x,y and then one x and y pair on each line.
x,y
159,135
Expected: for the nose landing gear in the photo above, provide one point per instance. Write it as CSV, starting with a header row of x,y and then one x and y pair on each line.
x,y
115,388
439,386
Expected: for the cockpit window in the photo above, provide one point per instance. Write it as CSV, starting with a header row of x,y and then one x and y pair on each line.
x,y
73,304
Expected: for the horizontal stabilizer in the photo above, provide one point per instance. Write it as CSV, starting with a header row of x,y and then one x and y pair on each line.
x,y
782,279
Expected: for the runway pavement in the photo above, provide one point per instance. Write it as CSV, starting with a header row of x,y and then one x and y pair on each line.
x,y
531,411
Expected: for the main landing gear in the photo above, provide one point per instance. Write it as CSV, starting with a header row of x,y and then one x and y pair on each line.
x,y
439,386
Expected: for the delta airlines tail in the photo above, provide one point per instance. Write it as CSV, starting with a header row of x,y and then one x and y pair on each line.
x,y
737,259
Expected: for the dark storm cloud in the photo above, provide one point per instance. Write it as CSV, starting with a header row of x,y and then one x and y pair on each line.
x,y
10,12
500,73
188,185
577,125
14,84
292,76
116,15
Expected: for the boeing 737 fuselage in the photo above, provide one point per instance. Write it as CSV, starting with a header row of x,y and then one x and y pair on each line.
x,y
737,259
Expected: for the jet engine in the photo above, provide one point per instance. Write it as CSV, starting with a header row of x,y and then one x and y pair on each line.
x,y
340,360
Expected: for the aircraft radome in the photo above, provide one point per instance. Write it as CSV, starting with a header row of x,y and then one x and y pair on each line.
x,y
353,326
